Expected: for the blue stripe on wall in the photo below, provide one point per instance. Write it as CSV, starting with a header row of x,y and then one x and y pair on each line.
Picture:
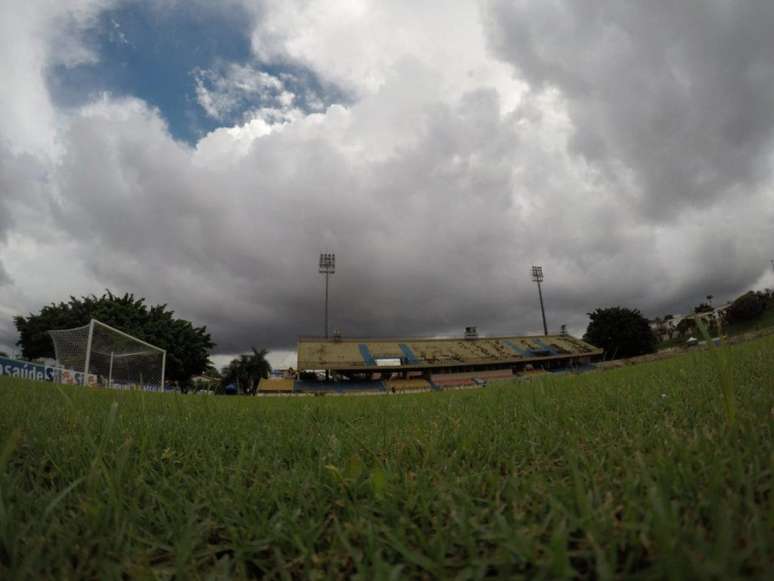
x,y
522,352
544,346
366,355
408,353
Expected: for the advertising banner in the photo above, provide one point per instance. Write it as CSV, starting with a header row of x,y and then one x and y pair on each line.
x,y
42,372
27,370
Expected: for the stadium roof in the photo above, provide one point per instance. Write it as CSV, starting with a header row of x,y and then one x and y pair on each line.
x,y
373,355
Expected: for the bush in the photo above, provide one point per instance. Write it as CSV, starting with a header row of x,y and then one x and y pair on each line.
x,y
748,307
689,326
621,332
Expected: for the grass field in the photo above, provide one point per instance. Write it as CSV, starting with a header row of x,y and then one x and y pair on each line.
x,y
661,470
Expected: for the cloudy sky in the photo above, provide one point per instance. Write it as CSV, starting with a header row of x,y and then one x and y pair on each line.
x,y
204,153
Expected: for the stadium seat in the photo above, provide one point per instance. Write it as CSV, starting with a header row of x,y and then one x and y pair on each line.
x,y
452,380
275,386
410,384
303,386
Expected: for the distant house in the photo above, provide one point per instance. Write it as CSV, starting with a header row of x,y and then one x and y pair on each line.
x,y
666,329
711,320
204,381
680,326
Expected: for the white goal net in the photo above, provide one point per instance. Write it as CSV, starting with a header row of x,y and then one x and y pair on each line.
x,y
109,357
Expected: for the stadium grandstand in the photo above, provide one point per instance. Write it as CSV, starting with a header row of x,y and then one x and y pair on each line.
x,y
356,365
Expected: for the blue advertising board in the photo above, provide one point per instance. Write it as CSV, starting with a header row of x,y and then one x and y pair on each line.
x,y
41,372
27,370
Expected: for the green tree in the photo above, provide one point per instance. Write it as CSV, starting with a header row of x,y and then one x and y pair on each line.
x,y
247,370
187,347
212,372
621,332
703,308
747,307
689,326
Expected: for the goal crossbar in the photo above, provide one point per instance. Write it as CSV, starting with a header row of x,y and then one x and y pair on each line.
x,y
128,336
133,354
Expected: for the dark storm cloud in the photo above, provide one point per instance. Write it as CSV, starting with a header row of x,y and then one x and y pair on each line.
x,y
5,278
427,238
438,234
673,100
8,336
635,169
6,191
237,245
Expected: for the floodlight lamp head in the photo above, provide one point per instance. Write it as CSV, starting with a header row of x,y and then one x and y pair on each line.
x,y
327,263
537,273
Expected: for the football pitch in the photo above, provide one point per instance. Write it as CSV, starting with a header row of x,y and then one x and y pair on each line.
x,y
659,470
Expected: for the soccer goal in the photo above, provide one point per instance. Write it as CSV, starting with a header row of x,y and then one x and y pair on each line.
x,y
110,357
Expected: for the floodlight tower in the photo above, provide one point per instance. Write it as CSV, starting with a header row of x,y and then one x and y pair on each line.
x,y
537,276
327,267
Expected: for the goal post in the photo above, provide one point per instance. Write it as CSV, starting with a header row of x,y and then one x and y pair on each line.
x,y
110,357
88,349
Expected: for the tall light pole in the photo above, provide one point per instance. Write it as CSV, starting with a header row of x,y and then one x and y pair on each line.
x,y
327,267
537,276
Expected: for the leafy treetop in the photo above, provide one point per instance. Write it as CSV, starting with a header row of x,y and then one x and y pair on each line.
x,y
621,332
747,307
247,370
187,346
